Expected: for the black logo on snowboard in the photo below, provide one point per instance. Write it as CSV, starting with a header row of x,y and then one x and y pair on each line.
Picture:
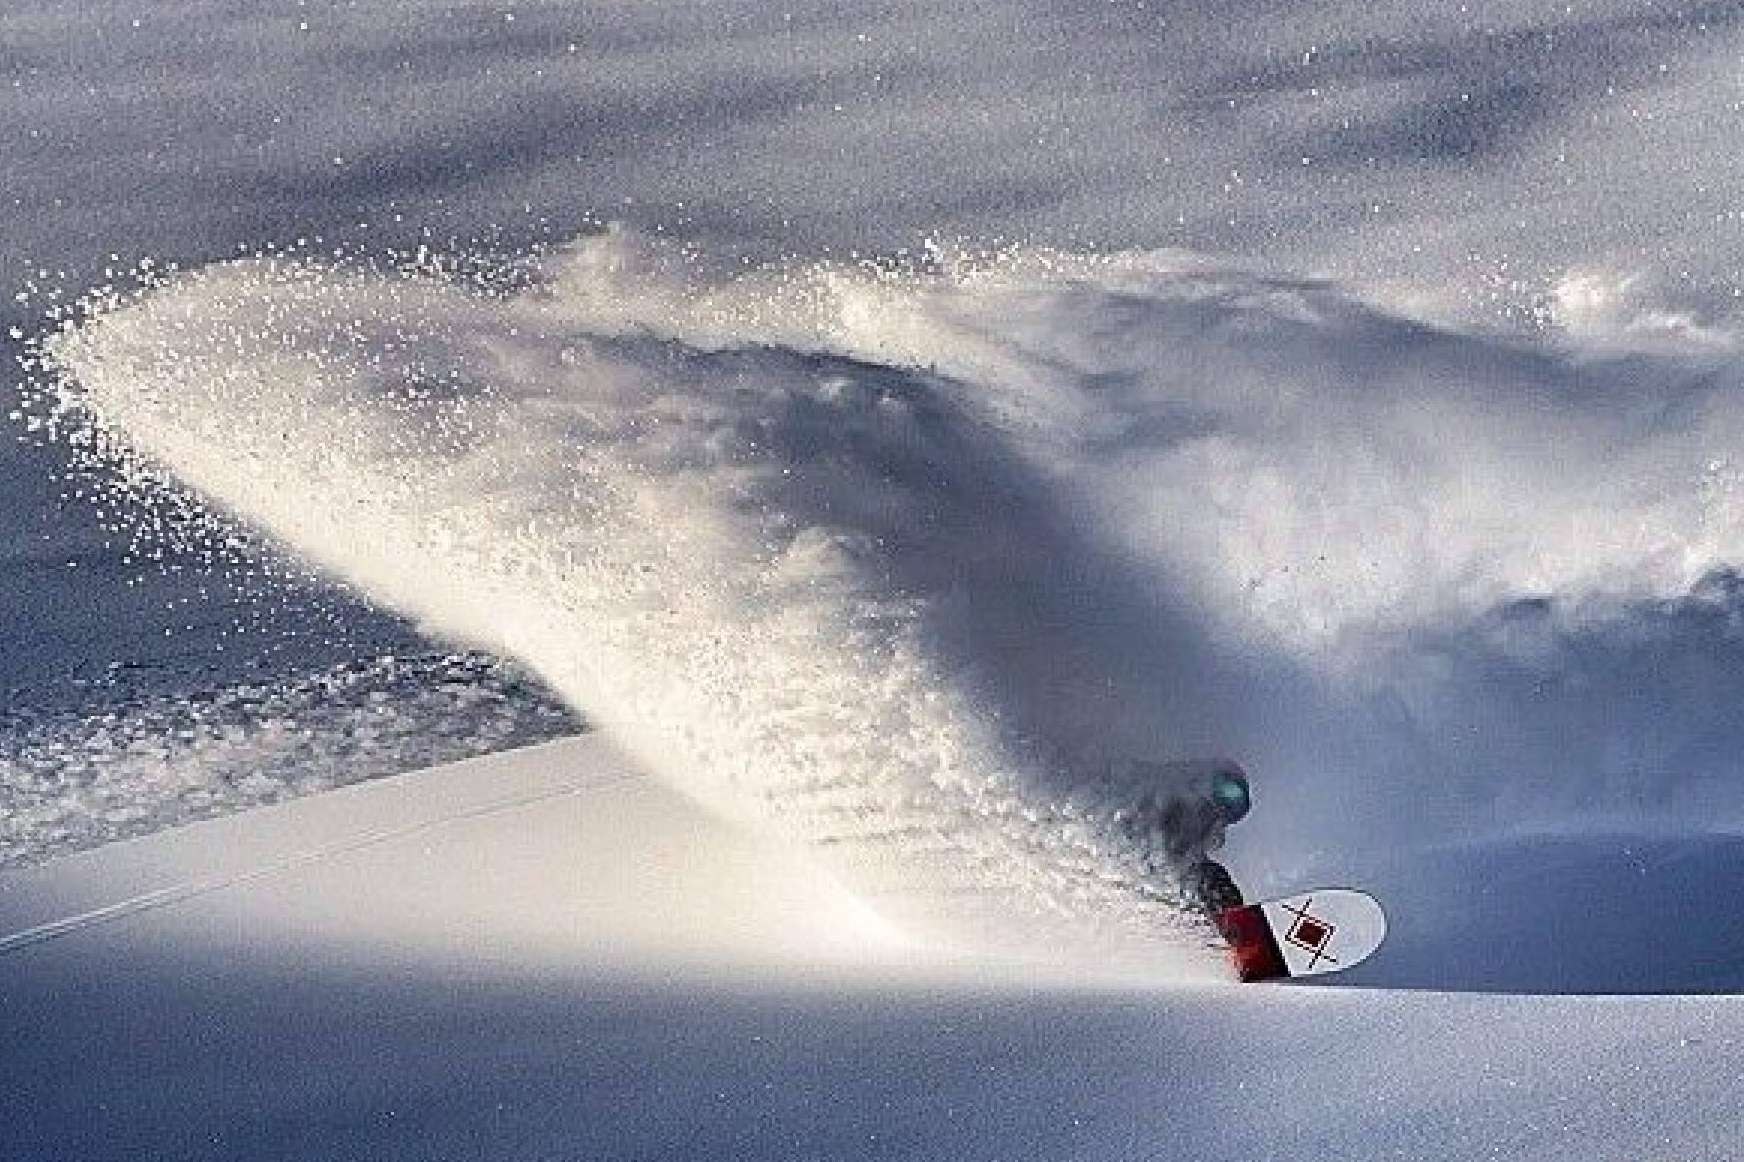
x,y
1310,933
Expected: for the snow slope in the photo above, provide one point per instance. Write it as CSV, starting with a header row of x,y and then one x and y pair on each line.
x,y
542,954
905,568
975,403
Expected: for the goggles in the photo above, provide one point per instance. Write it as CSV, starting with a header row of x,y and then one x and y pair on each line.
x,y
1229,792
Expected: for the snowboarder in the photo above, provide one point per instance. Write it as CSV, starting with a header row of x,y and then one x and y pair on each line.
x,y
1183,817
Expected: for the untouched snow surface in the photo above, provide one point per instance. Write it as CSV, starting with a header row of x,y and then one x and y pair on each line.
x,y
542,955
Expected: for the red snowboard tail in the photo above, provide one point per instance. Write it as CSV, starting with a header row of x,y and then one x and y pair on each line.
x,y
1251,944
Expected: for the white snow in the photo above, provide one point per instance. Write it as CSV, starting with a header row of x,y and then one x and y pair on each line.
x,y
543,954
917,416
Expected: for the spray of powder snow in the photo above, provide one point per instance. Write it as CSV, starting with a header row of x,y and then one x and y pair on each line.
x,y
695,547
917,564
135,757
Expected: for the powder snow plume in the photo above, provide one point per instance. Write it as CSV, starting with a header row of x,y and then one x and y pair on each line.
x,y
921,563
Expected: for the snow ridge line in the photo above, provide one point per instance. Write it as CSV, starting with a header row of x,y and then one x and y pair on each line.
x,y
177,893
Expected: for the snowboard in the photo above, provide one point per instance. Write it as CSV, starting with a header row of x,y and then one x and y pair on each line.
x,y
1328,930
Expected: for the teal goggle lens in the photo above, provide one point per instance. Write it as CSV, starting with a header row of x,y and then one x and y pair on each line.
x,y
1230,795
